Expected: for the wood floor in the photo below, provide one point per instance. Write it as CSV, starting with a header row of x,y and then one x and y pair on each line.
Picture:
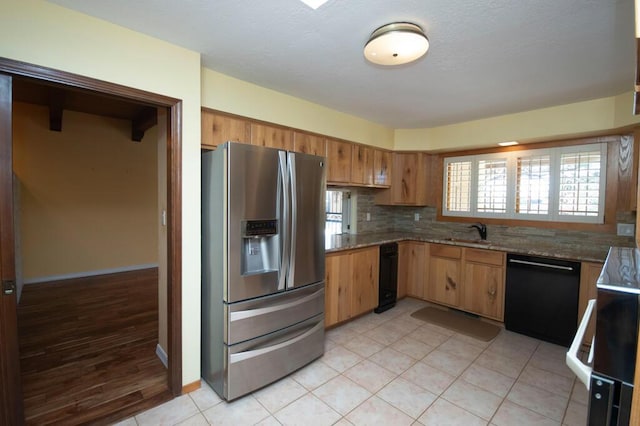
x,y
87,349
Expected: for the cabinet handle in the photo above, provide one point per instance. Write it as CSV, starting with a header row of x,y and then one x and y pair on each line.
x,y
451,282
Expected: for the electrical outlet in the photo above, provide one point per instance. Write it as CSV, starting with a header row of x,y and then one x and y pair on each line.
x,y
626,229
416,217
368,216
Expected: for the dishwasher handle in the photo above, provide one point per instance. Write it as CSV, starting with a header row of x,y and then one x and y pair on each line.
x,y
543,265
583,371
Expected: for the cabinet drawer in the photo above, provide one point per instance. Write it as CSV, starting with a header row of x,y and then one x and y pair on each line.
x,y
484,256
443,250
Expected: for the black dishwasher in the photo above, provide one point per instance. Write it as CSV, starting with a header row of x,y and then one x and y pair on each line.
x,y
541,298
388,277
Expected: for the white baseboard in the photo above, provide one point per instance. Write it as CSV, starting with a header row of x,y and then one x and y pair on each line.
x,y
162,355
89,273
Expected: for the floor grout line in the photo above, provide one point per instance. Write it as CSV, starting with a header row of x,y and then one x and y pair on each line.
x,y
489,349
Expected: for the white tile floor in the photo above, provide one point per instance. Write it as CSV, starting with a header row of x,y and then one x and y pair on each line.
x,y
392,369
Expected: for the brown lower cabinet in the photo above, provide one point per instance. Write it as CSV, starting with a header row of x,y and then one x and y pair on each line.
x,y
468,279
412,259
464,278
351,284
483,280
444,283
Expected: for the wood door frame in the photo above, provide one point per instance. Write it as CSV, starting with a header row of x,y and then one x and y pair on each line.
x,y
11,401
174,186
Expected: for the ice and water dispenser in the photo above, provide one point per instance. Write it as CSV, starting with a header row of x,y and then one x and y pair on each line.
x,y
259,246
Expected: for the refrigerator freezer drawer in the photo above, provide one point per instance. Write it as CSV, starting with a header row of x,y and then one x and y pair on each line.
x,y
254,364
257,317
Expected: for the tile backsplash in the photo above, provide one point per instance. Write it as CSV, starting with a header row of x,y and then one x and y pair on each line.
x,y
401,218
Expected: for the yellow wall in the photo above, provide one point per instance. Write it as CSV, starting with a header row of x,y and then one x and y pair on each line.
x,y
229,94
542,124
88,194
45,34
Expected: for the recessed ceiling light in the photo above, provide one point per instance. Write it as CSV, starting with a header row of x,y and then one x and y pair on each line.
x,y
510,143
396,44
314,4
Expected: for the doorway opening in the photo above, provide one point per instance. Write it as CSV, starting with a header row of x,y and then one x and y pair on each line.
x,y
69,88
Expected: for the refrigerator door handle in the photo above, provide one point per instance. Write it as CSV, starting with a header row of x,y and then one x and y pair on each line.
x,y
284,219
583,371
293,217
234,358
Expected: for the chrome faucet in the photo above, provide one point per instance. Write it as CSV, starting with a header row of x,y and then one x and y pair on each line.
x,y
482,230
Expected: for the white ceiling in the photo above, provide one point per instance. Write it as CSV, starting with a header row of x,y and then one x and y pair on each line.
x,y
487,57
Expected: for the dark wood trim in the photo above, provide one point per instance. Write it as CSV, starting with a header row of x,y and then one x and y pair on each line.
x,y
56,108
76,81
615,183
174,246
174,187
143,122
11,403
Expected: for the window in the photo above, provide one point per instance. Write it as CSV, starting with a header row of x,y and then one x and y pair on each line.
x,y
492,186
458,191
337,208
532,184
564,184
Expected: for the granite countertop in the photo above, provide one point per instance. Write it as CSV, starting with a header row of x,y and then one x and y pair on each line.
x,y
584,253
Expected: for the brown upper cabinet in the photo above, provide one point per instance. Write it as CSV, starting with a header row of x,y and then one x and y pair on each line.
x,y
348,163
309,144
409,181
381,168
272,137
339,159
219,128
361,165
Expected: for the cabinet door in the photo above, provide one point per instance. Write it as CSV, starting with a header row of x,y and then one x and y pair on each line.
x,y
589,273
444,281
411,269
408,181
272,137
432,164
483,289
364,280
382,168
218,129
339,159
337,295
361,165
309,144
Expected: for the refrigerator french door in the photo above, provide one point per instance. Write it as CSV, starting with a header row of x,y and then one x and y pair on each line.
x,y
262,265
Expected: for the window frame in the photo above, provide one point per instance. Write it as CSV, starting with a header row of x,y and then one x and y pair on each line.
x,y
511,158
346,214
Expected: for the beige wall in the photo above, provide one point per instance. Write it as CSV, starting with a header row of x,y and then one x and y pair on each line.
x,y
88,194
556,122
229,94
45,34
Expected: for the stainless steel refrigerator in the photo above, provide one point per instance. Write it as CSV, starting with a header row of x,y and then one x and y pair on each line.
x,y
262,265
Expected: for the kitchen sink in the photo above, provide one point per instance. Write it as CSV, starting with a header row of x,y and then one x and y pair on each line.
x,y
467,241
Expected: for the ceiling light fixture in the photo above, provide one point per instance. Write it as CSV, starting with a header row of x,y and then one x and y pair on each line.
x,y
510,143
314,4
396,44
